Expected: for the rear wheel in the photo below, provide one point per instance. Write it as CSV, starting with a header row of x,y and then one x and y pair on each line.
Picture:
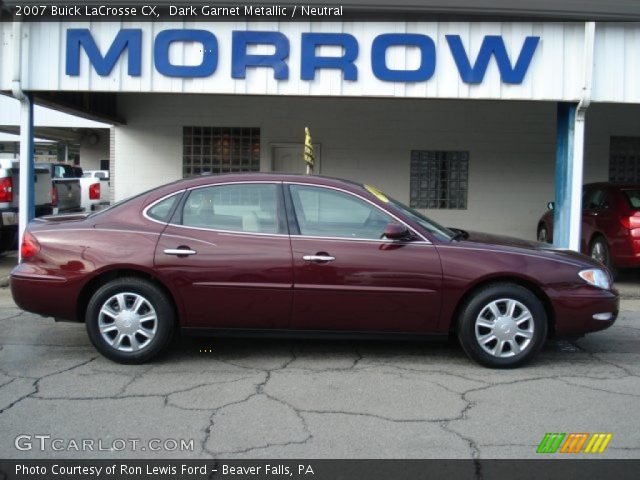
x,y
502,326
599,251
129,320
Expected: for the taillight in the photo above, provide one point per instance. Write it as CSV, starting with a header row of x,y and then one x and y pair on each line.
x,y
54,196
94,192
6,189
630,222
30,246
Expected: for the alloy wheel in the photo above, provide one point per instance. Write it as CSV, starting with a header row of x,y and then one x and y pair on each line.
x,y
504,328
127,322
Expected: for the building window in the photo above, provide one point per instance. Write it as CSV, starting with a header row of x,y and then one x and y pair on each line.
x,y
220,150
624,159
439,179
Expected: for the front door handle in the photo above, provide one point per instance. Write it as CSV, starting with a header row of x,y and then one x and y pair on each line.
x,y
318,258
179,251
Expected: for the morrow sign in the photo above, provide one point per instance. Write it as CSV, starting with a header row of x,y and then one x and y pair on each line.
x,y
471,70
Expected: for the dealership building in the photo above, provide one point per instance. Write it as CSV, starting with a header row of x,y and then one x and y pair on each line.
x,y
477,120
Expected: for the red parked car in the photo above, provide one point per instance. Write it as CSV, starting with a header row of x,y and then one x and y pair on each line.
x,y
280,254
610,224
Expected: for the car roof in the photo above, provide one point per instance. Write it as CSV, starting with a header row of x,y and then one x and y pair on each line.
x,y
267,177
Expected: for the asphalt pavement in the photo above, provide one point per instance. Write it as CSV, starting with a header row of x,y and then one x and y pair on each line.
x,y
309,399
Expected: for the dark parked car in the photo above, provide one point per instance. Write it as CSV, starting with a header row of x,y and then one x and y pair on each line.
x,y
281,254
610,224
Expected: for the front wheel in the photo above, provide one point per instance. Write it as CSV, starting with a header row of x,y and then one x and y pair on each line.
x,y
129,320
502,326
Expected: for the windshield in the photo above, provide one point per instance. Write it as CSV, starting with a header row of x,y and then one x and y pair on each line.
x,y
429,225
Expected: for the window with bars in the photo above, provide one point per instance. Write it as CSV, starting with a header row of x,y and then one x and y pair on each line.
x,y
624,159
220,150
439,179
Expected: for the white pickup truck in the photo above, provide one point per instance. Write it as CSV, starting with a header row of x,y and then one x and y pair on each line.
x,y
10,195
94,187
66,186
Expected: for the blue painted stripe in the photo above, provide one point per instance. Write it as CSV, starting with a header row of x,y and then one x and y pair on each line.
x,y
564,165
31,209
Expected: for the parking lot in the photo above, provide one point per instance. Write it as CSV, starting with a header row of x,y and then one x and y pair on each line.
x,y
312,399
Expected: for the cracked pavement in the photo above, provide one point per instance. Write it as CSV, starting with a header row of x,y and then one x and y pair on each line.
x,y
314,399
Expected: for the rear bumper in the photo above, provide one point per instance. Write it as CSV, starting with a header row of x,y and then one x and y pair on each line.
x,y
35,290
583,309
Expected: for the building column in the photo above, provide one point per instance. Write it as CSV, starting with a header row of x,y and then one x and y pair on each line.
x,y
567,218
26,204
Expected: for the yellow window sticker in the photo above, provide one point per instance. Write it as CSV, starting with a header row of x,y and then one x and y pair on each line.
x,y
379,195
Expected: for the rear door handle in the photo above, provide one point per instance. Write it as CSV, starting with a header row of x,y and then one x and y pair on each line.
x,y
179,251
318,258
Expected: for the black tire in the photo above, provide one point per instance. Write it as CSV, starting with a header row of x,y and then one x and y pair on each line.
x,y
599,250
478,304
155,302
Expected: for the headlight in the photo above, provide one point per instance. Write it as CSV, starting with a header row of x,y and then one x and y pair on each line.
x,y
596,277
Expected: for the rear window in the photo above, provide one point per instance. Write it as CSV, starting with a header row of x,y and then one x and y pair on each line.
x,y
63,171
633,197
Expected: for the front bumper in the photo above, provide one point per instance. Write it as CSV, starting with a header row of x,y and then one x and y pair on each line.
x,y
583,309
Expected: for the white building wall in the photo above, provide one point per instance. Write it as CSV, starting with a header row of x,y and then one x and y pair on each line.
x,y
555,72
511,144
91,154
603,122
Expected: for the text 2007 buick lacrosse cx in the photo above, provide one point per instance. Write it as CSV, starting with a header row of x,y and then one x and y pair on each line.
x,y
269,254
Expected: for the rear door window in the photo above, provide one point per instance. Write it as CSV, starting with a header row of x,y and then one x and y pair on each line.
x,y
249,208
633,197
594,199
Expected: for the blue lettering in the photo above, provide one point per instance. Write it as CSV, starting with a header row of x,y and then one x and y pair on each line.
x,y
242,60
427,57
492,45
126,38
209,53
130,40
310,62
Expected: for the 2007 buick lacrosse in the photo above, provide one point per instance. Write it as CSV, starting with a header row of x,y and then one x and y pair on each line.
x,y
270,254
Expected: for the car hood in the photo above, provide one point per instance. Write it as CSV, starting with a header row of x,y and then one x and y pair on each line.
x,y
502,242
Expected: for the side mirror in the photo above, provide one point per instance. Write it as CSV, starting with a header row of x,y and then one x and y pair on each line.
x,y
396,231
551,205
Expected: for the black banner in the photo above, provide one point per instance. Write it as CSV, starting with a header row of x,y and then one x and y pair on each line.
x,y
542,469
317,11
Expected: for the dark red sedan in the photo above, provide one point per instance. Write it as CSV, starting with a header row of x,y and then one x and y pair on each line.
x,y
610,224
278,254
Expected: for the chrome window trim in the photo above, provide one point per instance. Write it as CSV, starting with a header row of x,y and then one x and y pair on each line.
x,y
232,232
153,204
424,239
